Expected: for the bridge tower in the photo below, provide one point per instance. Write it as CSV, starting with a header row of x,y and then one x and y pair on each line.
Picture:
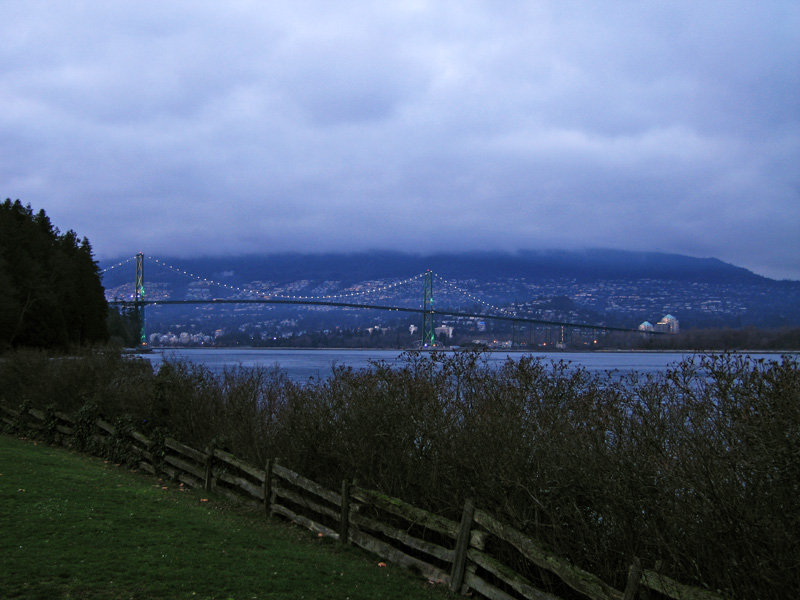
x,y
138,296
428,332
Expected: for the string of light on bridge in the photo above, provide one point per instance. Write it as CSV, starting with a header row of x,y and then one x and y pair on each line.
x,y
282,296
470,296
506,314
268,295
119,264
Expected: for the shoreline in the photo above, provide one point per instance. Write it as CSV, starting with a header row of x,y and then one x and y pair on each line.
x,y
455,349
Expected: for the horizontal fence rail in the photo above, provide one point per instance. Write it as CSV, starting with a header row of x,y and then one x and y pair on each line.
x,y
448,552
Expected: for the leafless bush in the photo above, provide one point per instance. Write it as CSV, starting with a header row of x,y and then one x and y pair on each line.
x,y
253,399
187,403
698,467
116,384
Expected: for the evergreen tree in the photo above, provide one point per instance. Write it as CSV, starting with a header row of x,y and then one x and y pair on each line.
x,y
51,295
124,325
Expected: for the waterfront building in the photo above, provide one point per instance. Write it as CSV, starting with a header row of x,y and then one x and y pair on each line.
x,y
668,324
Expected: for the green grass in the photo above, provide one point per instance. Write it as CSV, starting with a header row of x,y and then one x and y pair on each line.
x,y
73,526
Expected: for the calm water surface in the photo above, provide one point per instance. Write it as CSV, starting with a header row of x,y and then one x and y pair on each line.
x,y
301,365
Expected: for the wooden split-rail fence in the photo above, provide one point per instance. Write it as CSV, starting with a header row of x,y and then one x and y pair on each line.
x,y
458,554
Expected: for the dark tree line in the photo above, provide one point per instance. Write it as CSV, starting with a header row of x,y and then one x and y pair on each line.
x,y
51,295
749,338
124,326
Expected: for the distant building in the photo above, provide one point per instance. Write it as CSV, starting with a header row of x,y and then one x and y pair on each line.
x,y
668,324
444,330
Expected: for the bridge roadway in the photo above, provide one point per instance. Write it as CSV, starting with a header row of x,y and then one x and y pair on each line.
x,y
448,313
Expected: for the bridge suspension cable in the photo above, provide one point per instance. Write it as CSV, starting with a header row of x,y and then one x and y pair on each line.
x,y
332,300
355,294
119,264
264,294
470,296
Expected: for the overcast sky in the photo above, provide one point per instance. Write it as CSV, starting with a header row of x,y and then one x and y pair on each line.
x,y
199,127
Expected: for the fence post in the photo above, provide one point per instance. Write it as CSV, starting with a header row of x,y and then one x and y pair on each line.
x,y
645,593
268,489
462,544
209,469
344,520
634,576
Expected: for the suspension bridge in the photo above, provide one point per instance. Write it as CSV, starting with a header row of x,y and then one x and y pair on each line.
x,y
138,301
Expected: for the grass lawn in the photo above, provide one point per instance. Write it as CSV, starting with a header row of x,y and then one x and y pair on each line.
x,y
73,526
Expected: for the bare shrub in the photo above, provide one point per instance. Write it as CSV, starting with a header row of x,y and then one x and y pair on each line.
x,y
186,403
252,401
115,383
697,467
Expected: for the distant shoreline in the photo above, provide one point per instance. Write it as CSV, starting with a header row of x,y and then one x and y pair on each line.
x,y
492,350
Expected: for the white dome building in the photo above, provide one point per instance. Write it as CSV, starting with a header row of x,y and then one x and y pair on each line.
x,y
668,324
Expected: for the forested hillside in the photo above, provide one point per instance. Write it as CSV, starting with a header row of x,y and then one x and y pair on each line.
x,y
605,286
51,295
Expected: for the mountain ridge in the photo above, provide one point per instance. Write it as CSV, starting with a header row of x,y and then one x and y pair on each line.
x,y
622,288
584,265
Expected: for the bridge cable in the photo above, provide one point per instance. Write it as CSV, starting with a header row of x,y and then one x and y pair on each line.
x,y
471,297
264,294
119,264
282,296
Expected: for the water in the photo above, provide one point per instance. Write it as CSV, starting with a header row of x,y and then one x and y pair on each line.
x,y
300,365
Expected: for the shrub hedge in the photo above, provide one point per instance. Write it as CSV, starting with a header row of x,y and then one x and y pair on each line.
x,y
697,467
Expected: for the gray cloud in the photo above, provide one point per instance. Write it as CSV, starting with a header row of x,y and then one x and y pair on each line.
x,y
193,127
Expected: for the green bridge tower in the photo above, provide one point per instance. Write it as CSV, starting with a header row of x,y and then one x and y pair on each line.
x,y
138,296
428,332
